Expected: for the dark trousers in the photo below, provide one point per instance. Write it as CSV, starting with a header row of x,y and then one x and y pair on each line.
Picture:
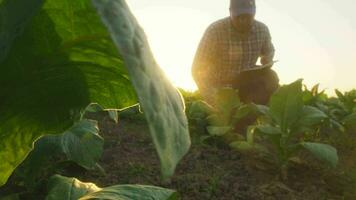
x,y
257,87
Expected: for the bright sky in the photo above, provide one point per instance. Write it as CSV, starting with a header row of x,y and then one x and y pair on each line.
x,y
314,39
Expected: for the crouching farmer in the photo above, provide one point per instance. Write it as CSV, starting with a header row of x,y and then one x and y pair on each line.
x,y
228,53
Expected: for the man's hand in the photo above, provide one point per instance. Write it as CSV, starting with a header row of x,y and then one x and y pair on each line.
x,y
267,64
265,60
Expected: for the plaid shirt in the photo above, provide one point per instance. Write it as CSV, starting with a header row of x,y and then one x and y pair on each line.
x,y
222,53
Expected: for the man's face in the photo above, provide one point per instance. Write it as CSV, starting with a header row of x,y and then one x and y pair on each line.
x,y
243,23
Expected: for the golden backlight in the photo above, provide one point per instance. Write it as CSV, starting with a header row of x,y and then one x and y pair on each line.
x,y
318,48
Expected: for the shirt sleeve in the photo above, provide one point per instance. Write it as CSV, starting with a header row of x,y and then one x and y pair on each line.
x,y
267,51
205,60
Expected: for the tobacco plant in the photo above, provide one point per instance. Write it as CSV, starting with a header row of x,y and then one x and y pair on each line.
x,y
286,123
222,117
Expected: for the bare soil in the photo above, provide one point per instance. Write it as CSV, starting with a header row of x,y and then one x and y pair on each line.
x,y
209,172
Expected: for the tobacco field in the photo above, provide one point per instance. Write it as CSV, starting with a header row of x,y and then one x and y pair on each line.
x,y
87,113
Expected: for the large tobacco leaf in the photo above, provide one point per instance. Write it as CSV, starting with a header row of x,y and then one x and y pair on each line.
x,y
12,24
159,100
64,188
286,105
132,192
63,61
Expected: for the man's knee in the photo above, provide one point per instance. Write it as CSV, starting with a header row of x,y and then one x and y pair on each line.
x,y
258,87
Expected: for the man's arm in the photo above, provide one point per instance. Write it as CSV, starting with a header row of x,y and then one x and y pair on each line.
x,y
267,51
204,61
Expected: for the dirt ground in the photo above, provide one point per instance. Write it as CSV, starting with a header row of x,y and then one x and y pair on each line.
x,y
209,172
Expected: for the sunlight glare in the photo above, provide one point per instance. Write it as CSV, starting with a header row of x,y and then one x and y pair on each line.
x,y
174,39
306,46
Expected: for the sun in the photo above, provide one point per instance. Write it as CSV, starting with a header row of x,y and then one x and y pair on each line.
x,y
174,34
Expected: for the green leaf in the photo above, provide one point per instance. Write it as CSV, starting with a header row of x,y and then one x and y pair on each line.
x,y
219,119
311,116
286,105
262,109
315,90
94,107
199,108
350,119
11,197
132,192
313,96
242,112
242,146
307,97
339,94
63,61
15,15
336,125
226,100
114,115
161,103
82,143
269,130
63,188
250,135
274,134
323,152
218,130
